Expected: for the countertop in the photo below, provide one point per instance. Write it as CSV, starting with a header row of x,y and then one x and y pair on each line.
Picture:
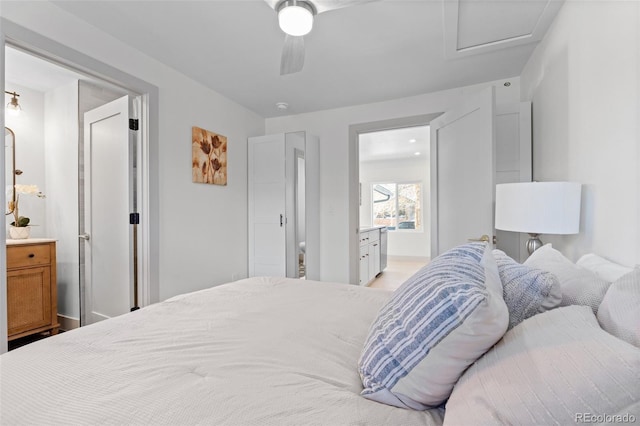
x,y
30,241
371,228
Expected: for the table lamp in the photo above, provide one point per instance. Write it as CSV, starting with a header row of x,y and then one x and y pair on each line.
x,y
538,208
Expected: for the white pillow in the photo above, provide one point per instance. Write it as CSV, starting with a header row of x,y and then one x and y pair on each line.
x,y
579,286
434,326
558,367
619,312
605,269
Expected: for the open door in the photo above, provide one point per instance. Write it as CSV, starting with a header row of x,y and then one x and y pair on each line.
x,y
108,192
463,173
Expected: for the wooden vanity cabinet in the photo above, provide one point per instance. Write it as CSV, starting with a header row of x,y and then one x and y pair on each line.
x,y
31,288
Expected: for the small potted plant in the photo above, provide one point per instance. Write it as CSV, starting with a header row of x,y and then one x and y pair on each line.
x,y
20,228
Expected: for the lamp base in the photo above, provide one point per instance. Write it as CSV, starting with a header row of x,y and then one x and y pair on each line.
x,y
533,243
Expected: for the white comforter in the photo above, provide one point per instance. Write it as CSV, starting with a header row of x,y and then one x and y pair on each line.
x,y
262,351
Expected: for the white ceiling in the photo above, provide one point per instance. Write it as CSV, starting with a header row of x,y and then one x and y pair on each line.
x,y
35,73
395,144
381,50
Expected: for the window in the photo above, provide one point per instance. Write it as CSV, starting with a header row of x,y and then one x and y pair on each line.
x,y
397,205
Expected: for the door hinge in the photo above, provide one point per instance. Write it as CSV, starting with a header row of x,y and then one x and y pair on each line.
x,y
134,124
134,218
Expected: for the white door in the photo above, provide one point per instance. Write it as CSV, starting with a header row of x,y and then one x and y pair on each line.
x,y
463,173
266,176
513,164
107,196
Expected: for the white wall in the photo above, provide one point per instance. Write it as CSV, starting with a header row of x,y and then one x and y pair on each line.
x,y
203,228
61,171
332,127
584,84
29,130
400,243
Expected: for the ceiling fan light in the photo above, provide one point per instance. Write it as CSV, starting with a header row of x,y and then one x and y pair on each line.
x,y
295,19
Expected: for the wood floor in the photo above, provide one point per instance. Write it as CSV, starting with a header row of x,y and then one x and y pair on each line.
x,y
397,271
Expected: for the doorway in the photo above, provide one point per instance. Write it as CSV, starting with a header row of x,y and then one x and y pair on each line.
x,y
51,153
385,169
394,181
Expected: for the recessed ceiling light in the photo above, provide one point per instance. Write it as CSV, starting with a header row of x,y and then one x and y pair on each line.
x,y
412,141
282,106
416,153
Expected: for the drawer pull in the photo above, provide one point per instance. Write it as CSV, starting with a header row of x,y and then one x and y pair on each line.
x,y
31,255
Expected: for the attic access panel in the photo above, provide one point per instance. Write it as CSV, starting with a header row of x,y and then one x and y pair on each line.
x,y
480,26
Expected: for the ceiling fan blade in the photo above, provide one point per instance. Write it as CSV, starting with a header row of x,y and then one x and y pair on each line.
x,y
323,5
273,3
292,55
326,5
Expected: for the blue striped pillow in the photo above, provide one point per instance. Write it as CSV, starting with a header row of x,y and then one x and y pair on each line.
x,y
433,327
526,291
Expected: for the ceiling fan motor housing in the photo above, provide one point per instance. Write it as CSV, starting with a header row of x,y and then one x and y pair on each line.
x,y
295,16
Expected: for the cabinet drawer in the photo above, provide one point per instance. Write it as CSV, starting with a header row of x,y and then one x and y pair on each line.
x,y
19,256
364,238
374,236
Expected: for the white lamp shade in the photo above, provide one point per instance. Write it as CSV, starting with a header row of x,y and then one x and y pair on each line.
x,y
295,20
538,207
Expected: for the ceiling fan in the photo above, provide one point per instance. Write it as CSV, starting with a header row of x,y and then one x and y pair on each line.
x,y
296,19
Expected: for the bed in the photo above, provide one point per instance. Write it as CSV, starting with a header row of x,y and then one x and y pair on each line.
x,y
278,351
259,351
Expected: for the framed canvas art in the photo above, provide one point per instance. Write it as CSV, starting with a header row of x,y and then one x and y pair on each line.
x,y
208,157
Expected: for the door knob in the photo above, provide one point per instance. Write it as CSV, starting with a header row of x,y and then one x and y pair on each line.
x,y
484,239
85,237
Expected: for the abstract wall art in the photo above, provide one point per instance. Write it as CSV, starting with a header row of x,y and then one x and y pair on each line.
x,y
209,157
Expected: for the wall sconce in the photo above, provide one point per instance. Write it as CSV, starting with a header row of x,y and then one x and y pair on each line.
x,y
13,108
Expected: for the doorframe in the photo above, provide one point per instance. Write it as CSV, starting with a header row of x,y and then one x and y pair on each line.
x,y
355,130
38,45
3,227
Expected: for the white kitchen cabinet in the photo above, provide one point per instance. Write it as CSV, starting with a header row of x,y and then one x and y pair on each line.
x,y
364,264
370,255
374,259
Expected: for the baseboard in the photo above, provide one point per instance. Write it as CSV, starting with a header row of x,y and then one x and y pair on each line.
x,y
424,259
68,323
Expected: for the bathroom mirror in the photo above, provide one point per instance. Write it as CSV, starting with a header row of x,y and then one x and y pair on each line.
x,y
301,206
10,168
296,263
300,215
